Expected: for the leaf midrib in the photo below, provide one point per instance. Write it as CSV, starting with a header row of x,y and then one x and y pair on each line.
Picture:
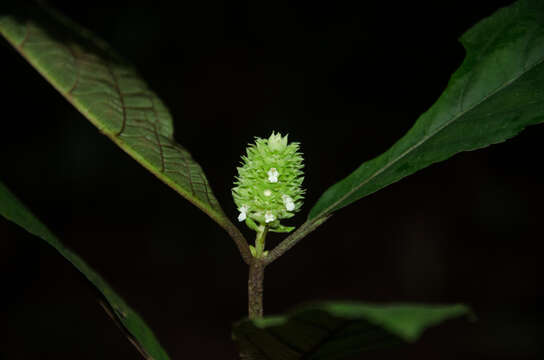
x,y
218,216
425,138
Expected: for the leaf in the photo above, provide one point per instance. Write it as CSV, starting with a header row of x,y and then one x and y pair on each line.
x,y
332,330
110,94
493,96
130,322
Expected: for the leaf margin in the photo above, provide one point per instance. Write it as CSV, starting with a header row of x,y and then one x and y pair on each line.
x,y
129,321
267,331
215,213
319,210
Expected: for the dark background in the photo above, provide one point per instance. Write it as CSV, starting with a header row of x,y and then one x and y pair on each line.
x,y
346,80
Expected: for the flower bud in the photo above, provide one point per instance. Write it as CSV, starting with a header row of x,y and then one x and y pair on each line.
x,y
276,142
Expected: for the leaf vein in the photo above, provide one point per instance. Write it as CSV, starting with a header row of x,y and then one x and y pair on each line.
x,y
424,139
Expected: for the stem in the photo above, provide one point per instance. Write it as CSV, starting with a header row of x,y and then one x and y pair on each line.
x,y
255,288
260,261
260,241
256,276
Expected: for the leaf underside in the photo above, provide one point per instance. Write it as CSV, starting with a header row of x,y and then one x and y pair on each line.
x,y
493,96
110,94
130,322
330,331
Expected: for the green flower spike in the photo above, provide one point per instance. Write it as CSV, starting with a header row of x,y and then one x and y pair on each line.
x,y
268,187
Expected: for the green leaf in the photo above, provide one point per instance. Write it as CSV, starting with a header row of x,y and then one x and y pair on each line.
x,y
110,94
336,330
493,96
129,321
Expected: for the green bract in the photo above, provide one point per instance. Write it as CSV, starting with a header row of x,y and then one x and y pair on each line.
x,y
268,185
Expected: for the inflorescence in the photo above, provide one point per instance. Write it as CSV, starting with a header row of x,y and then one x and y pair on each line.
x,y
268,186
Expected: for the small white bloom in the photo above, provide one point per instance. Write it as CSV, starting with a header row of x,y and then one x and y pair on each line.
x,y
273,175
267,192
243,213
269,217
288,202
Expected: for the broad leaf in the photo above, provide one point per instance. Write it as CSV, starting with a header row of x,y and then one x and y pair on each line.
x,y
109,92
337,330
130,322
493,96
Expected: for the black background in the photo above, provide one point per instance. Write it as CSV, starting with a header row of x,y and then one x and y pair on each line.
x,y
344,79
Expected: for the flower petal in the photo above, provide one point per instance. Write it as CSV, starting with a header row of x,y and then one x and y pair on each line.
x,y
269,217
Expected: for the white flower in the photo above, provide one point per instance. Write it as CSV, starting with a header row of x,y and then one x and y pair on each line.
x,y
288,202
243,213
269,217
273,175
267,192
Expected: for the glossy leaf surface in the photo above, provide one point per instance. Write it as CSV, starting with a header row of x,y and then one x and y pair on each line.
x,y
129,321
496,93
110,93
329,331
